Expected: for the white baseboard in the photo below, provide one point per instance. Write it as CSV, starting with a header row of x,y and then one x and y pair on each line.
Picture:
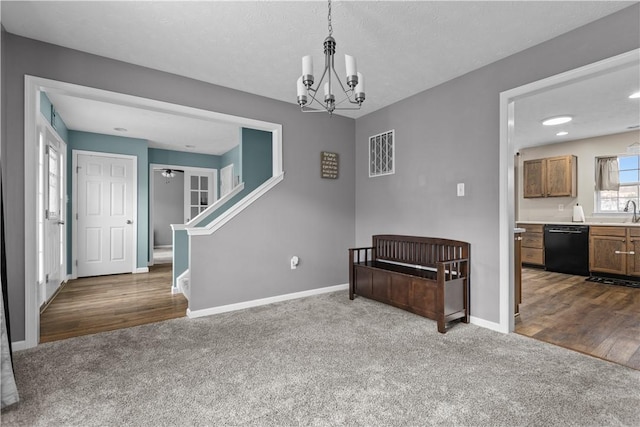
x,y
19,345
264,301
486,324
141,270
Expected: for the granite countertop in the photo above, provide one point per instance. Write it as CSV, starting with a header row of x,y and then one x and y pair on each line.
x,y
590,222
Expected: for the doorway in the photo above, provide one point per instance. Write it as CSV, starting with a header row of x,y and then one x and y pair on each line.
x,y
507,176
33,88
51,212
178,195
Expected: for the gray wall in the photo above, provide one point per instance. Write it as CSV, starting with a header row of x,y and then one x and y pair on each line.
x,y
450,134
303,214
310,217
168,206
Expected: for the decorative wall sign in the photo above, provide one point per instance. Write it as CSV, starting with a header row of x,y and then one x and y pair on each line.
x,y
329,165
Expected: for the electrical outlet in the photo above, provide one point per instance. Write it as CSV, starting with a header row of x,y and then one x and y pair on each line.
x,y
294,262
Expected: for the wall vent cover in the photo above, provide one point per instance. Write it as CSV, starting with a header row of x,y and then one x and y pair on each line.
x,y
382,154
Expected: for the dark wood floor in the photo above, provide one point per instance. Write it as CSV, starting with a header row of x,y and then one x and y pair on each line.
x,y
97,304
593,318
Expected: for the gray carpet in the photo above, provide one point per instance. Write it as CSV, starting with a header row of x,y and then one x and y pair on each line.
x,y
313,362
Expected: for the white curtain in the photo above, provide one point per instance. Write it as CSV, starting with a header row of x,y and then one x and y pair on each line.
x,y
607,174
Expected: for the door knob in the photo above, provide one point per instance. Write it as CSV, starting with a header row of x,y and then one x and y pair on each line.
x,y
129,221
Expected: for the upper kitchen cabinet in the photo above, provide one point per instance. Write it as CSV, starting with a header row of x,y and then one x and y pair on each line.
x,y
550,177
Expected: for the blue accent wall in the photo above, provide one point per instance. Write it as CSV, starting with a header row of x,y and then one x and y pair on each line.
x,y
116,145
182,158
59,124
256,164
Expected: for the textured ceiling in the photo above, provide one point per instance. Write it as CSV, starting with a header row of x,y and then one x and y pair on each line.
x,y
599,105
402,47
162,130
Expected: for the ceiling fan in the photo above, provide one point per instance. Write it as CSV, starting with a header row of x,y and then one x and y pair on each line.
x,y
170,173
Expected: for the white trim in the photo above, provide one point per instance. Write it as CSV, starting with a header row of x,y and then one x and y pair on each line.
x,y
141,270
486,324
32,87
217,223
32,309
506,181
177,227
215,206
264,301
74,205
20,345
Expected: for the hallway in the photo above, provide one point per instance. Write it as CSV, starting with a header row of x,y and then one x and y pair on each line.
x,y
97,304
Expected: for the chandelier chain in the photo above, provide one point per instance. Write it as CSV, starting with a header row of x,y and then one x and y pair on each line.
x,y
329,18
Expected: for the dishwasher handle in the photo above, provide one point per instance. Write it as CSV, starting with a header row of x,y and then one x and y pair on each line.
x,y
565,231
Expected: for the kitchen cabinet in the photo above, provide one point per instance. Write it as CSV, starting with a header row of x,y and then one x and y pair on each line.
x,y
550,177
614,250
532,244
517,271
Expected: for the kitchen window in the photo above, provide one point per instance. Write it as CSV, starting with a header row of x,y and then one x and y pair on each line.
x,y
614,201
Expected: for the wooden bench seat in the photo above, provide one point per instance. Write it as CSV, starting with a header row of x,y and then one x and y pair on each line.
x,y
426,276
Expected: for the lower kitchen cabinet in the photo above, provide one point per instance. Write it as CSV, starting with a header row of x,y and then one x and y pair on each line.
x,y
614,250
532,243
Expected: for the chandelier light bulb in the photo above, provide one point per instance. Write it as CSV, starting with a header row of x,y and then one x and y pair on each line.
x,y
302,92
307,71
359,90
352,71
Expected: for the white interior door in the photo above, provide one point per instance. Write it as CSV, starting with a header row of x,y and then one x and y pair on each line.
x,y
199,191
226,180
105,215
52,228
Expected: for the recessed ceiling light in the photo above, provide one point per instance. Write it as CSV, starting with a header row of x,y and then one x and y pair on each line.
x,y
635,95
120,129
562,133
552,121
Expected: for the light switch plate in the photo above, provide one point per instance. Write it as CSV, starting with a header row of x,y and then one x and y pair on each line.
x,y
460,189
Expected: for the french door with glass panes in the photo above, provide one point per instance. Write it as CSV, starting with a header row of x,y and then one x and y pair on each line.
x,y
200,191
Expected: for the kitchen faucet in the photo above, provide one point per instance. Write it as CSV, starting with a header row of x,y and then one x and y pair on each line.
x,y
635,217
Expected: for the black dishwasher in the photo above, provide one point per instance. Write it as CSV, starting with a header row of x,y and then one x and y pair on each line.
x,y
566,249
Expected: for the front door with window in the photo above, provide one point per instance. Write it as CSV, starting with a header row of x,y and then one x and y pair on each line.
x,y
52,193
105,214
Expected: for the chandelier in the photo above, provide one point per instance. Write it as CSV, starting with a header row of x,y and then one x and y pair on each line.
x,y
353,93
